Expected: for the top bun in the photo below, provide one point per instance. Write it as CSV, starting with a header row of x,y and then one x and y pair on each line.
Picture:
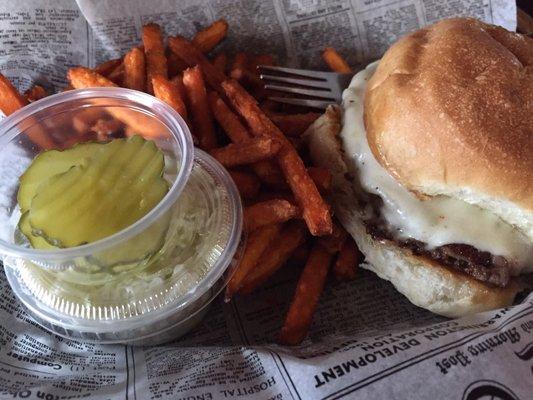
x,y
449,111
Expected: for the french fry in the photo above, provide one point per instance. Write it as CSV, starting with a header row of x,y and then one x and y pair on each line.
x,y
335,62
293,124
175,64
81,78
104,128
315,210
261,59
208,38
322,178
256,245
202,119
168,92
84,118
308,291
269,106
156,61
269,194
178,81
220,62
299,256
268,212
247,152
334,242
247,184
267,171
230,123
139,123
35,93
106,67
10,101
227,119
276,255
192,56
240,61
135,70
270,174
249,80
345,267
117,75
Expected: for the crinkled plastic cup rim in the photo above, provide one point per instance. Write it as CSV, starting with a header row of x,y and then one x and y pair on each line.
x,y
172,120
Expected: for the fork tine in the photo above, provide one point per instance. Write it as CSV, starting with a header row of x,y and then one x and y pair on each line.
x,y
293,71
295,81
306,92
322,104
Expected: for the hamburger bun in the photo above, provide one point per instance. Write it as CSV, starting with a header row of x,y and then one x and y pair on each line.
x,y
464,90
424,282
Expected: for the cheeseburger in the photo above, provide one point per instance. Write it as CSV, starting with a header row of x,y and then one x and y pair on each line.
x,y
432,156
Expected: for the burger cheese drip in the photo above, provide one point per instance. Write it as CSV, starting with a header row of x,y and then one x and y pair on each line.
x,y
450,231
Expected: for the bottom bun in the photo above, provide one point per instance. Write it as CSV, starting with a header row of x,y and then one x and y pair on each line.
x,y
423,281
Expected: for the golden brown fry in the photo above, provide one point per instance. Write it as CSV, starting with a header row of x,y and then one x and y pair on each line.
x,y
138,123
247,184
220,62
322,178
202,119
170,93
306,296
104,128
269,194
227,119
35,93
117,75
256,245
175,64
156,61
10,101
85,118
208,38
247,152
269,173
315,210
192,56
293,124
345,267
135,70
269,212
81,78
334,242
276,255
178,81
261,59
108,66
249,80
240,61
335,62
299,256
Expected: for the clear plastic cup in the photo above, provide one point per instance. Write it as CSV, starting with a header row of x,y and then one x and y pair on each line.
x,y
150,282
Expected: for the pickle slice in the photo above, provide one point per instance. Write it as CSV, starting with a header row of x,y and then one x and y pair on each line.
x,y
48,164
36,242
120,183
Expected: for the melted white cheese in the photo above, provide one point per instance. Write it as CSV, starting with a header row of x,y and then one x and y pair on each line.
x,y
438,221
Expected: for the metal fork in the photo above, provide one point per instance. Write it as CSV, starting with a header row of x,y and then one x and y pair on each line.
x,y
319,88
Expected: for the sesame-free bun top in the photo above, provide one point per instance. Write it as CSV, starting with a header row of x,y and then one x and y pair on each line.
x,y
449,111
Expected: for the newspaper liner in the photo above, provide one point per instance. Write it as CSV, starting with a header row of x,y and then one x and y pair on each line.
x,y
366,340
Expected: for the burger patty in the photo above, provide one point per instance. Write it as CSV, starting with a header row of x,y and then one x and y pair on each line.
x,y
480,265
